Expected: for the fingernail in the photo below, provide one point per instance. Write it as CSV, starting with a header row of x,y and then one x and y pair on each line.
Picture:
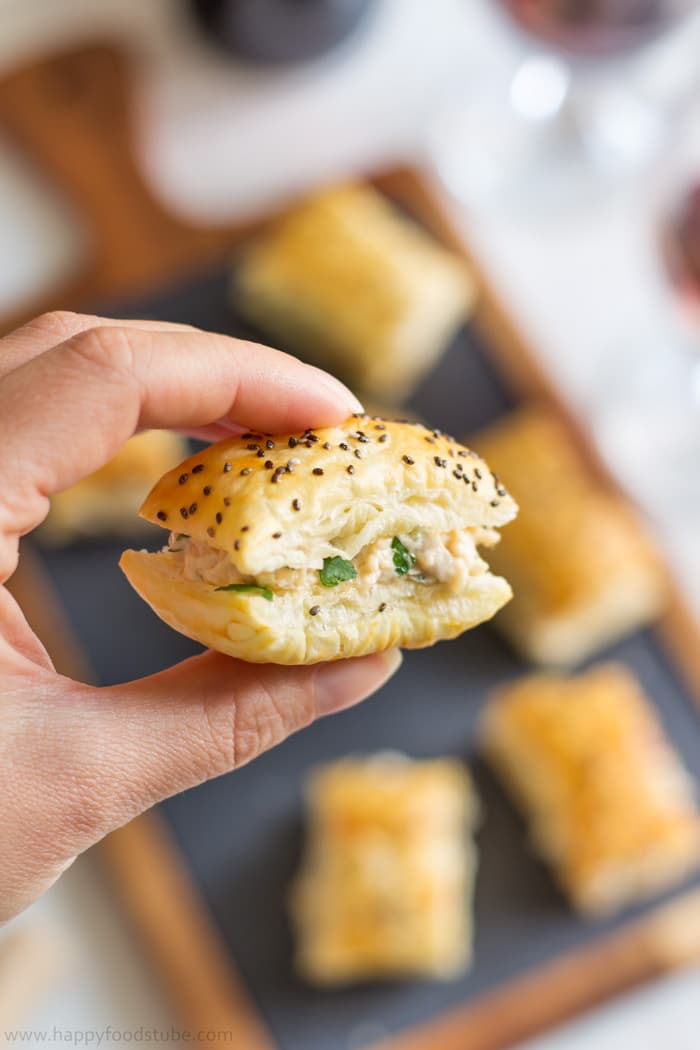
x,y
338,389
345,682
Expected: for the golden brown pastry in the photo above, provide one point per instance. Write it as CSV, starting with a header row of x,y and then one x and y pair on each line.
x,y
347,278
106,502
609,804
386,881
582,570
324,545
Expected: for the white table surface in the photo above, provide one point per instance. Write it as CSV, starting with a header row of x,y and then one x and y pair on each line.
x,y
218,140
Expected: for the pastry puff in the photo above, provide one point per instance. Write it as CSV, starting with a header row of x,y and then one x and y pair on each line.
x,y
327,544
347,278
386,880
106,502
582,570
609,804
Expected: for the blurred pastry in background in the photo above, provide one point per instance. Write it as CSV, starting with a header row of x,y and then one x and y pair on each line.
x,y
347,279
582,570
609,805
106,503
385,885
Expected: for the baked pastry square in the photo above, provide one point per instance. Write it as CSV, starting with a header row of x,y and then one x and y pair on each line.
x,y
609,805
348,279
106,502
582,570
333,543
386,880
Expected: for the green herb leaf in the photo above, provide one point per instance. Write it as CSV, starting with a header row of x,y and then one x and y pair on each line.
x,y
253,588
175,550
336,570
182,535
403,559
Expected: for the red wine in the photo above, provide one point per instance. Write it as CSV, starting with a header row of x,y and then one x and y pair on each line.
x,y
597,27
682,249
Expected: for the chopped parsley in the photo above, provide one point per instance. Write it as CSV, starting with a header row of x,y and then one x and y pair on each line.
x,y
252,588
336,570
403,559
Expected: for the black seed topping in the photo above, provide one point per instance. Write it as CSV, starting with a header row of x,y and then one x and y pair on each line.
x,y
314,610
501,491
236,545
296,505
269,464
246,470
478,473
269,443
358,454
345,447
440,462
350,469
211,532
260,453
383,437
462,452
244,528
382,607
456,474
317,470
162,516
362,438
292,442
276,535
227,467
431,441
193,508
183,512
227,501
327,446
254,447
495,503
219,517
198,469
379,426
182,479
475,487
407,459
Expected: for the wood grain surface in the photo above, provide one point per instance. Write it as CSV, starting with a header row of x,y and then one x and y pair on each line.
x,y
74,116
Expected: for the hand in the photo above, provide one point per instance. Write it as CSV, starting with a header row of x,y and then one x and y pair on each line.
x,y
77,761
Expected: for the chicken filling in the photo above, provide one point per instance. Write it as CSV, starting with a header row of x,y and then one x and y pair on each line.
x,y
449,558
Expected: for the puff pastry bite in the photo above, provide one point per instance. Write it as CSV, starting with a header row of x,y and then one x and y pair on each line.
x,y
106,502
347,278
609,804
385,885
326,544
583,572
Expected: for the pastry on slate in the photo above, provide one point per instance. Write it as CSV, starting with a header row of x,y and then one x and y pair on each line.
x,y
385,885
327,544
106,502
582,570
609,805
348,279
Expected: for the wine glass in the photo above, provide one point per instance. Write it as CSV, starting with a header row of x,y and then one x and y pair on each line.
x,y
593,88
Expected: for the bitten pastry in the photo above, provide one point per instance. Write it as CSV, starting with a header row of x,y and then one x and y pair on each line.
x,y
106,502
609,804
347,278
582,570
386,882
327,544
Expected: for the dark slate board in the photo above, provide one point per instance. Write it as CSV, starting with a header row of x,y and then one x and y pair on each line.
x,y
240,835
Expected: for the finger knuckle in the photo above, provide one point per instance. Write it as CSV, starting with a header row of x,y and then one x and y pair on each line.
x,y
105,348
60,323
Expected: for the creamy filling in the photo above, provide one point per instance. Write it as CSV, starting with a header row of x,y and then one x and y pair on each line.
x,y
449,558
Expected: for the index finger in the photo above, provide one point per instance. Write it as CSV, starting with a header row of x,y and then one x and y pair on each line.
x,y
69,410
